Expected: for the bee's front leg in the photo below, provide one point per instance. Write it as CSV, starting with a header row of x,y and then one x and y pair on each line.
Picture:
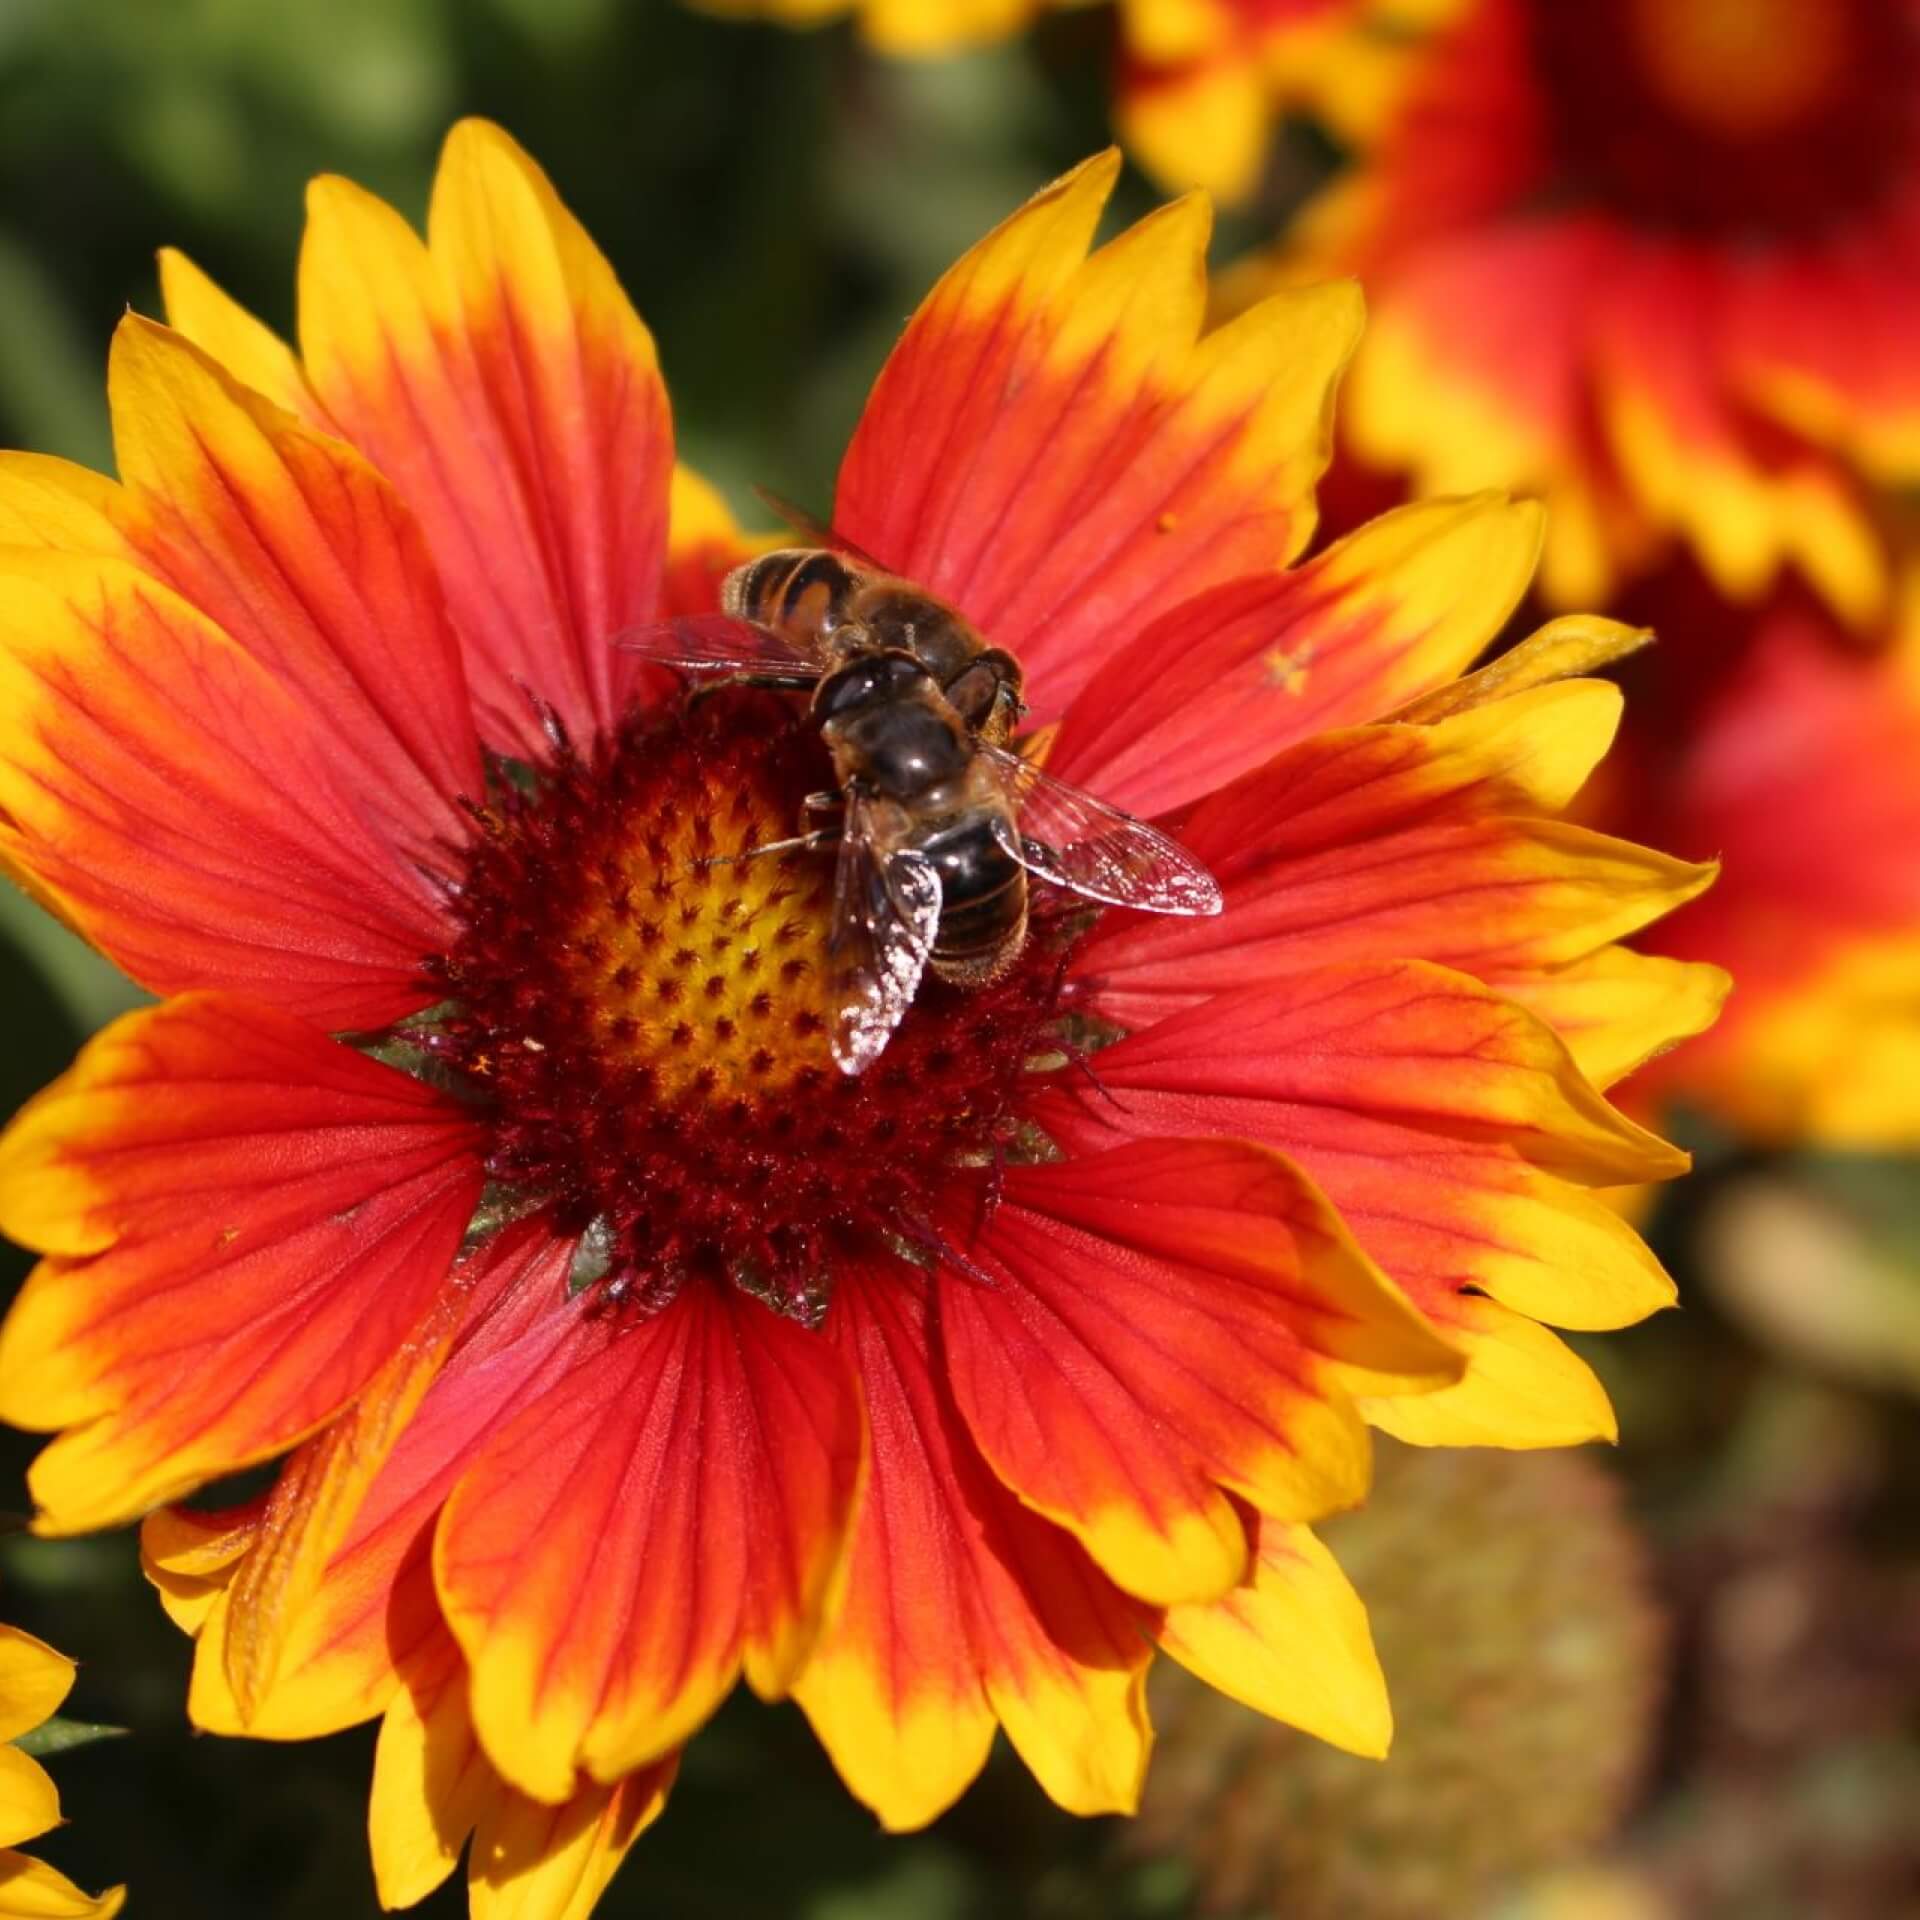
x,y
773,680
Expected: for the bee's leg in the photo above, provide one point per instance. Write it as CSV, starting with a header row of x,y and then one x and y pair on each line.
x,y
800,843
996,1186
1080,1058
773,680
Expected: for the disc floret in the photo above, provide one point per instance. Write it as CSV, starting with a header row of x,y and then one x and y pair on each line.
x,y
641,1003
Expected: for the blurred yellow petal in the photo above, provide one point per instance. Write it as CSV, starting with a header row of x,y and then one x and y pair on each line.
x,y
32,1890
34,1679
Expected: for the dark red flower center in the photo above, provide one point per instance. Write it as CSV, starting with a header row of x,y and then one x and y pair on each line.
x,y
645,1013
1762,117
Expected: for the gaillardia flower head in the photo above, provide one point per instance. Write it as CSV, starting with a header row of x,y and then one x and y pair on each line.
x,y
1657,260
488,1150
1803,770
1197,84
34,1679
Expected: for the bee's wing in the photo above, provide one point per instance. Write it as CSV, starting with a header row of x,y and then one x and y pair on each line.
x,y
820,532
1070,838
714,643
886,907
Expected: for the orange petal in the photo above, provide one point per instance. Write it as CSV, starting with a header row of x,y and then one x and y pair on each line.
x,y
500,378
674,1510
1054,447
1151,1332
188,810
962,1608
244,1218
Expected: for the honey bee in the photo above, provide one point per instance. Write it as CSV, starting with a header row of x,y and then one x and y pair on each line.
x,y
938,821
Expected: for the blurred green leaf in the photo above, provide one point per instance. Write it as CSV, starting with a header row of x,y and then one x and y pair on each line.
x,y
58,1735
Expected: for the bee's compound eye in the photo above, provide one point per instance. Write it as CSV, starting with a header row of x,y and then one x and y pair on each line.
x,y
869,679
990,686
850,688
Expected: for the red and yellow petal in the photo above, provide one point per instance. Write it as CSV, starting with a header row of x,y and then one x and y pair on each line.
x,y
1155,1329
1291,1641
326,1649
1821,341
1505,402
291,543
1421,840
1745,503
1448,1125
1217,686
1804,771
673,1512
1488,896
243,1219
187,810
434,1792
1056,448
704,544
500,378
962,1609
202,311
318,1498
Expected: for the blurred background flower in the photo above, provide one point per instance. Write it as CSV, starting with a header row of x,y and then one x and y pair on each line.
x,y
1714,387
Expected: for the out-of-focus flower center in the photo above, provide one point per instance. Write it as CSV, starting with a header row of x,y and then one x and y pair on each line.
x,y
1731,116
646,1014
